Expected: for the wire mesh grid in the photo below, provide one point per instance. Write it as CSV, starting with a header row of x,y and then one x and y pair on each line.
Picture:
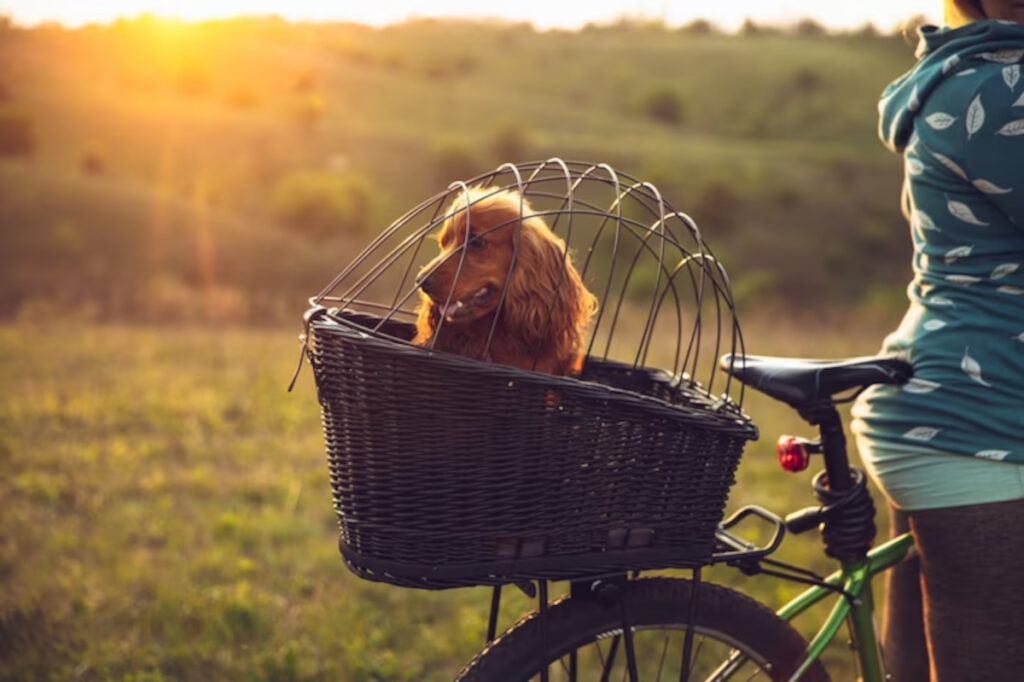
x,y
659,286
450,470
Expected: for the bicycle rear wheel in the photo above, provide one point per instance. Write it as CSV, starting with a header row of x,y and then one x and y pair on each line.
x,y
735,638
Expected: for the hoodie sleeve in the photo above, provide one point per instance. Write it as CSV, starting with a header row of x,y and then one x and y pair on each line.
x,y
994,144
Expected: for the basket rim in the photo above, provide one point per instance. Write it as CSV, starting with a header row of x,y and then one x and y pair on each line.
x,y
720,413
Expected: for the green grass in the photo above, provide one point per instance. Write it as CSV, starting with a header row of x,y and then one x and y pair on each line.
x,y
167,516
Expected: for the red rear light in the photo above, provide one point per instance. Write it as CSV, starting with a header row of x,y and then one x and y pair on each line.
x,y
792,454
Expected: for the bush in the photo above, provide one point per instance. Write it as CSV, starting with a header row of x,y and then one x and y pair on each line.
x,y
717,204
318,205
806,81
664,106
17,134
809,28
699,27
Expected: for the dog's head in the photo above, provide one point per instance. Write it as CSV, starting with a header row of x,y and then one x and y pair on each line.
x,y
487,241
496,251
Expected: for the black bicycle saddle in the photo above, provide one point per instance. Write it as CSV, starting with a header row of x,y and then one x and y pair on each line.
x,y
803,383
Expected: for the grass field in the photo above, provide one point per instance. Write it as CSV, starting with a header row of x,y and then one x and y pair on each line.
x,y
167,516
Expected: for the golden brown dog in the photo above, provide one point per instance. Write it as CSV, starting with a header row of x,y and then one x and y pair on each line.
x,y
541,321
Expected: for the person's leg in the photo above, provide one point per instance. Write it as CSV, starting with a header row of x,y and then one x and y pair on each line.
x,y
972,569
903,641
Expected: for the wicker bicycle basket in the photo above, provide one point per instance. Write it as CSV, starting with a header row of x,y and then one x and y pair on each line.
x,y
449,470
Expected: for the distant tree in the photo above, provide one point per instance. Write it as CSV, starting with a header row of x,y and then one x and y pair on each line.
x,y
808,28
866,32
17,134
664,105
750,29
698,27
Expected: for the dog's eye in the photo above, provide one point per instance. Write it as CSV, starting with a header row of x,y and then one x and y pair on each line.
x,y
476,243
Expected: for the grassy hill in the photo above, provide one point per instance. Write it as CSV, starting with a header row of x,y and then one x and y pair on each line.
x,y
238,164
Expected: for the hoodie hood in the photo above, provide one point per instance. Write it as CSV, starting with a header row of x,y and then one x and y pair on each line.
x,y
941,53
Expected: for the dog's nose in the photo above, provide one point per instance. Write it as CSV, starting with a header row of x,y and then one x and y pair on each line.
x,y
427,283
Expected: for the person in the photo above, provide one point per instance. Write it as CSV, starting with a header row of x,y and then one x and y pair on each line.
x,y
947,448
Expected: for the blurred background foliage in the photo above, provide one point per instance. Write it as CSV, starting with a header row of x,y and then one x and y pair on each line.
x,y
226,170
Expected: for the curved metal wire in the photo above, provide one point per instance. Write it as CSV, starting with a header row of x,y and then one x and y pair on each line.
x,y
663,296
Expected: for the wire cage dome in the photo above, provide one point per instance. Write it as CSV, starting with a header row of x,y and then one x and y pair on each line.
x,y
481,430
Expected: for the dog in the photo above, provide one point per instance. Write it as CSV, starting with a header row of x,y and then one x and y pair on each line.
x,y
530,294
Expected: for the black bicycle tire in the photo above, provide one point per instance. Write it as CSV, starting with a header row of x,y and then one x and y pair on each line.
x,y
572,623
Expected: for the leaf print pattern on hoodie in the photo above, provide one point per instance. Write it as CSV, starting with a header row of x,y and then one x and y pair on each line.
x,y
958,117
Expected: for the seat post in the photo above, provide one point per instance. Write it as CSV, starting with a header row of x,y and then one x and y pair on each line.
x,y
833,447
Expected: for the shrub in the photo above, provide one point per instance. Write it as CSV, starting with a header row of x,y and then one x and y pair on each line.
x,y
807,80
664,106
699,27
318,205
17,134
807,28
717,204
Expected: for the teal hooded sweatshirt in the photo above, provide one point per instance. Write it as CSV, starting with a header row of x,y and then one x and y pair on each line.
x,y
958,119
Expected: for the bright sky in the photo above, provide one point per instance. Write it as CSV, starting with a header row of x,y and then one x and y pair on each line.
x,y
728,14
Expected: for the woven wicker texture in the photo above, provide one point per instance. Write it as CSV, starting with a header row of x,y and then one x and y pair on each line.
x,y
449,471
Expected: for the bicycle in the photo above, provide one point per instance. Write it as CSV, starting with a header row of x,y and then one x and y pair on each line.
x,y
724,634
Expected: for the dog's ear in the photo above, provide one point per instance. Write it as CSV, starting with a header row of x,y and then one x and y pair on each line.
x,y
546,306
427,319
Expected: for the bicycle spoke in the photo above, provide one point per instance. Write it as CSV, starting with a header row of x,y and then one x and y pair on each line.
x,y
610,661
696,657
661,663
756,673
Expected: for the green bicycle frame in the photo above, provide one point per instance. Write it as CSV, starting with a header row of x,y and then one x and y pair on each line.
x,y
858,608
